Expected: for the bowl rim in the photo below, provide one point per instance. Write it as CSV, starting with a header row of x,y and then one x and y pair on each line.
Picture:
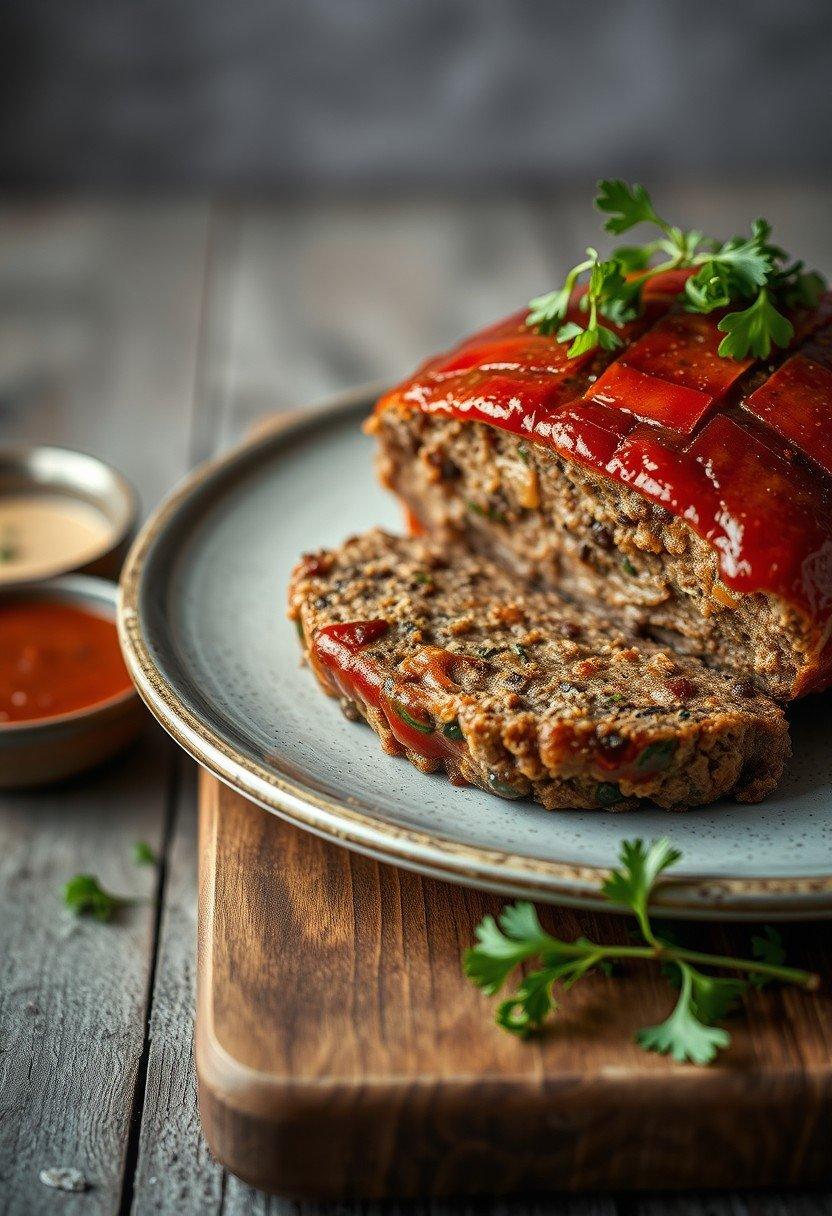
x,y
119,531
91,589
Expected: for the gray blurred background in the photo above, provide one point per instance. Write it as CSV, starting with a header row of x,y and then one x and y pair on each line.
x,y
298,95
215,210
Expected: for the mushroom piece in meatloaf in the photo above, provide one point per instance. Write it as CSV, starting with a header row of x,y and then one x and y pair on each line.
x,y
517,692
679,491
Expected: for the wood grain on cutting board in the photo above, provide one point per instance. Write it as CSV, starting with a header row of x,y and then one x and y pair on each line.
x,y
341,1052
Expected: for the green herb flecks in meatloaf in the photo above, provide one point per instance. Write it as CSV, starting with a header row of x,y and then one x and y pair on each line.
x,y
519,693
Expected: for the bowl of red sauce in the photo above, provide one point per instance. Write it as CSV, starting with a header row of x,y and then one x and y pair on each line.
x,y
66,699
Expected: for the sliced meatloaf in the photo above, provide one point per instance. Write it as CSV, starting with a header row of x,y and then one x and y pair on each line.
x,y
681,493
519,693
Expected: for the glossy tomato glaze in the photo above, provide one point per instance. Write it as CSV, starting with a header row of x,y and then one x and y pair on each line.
x,y
741,450
55,659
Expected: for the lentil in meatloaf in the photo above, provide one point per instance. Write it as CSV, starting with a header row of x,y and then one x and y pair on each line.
x,y
515,691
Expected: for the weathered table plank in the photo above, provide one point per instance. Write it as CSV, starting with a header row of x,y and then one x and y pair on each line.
x,y
99,309
323,297
175,1171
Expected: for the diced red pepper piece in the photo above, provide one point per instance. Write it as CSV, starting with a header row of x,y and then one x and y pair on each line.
x,y
684,348
672,375
666,285
510,402
796,401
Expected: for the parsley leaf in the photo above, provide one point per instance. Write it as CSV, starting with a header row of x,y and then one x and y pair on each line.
x,y
530,1005
143,855
754,329
501,947
767,947
546,311
748,261
85,896
633,881
714,996
802,290
606,285
683,1035
625,205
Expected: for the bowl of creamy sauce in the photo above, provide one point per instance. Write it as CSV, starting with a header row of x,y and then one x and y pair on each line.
x,y
61,511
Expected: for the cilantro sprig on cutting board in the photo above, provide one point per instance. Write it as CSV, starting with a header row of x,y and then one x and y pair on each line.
x,y
743,270
690,1033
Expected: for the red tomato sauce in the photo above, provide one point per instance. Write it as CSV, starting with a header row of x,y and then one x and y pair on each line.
x,y
54,659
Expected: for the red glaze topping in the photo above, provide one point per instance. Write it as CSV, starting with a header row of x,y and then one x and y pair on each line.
x,y
668,416
796,401
672,375
351,636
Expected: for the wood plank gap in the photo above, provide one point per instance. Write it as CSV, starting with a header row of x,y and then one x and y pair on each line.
x,y
131,1156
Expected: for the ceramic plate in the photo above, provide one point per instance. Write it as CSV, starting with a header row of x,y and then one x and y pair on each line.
x,y
205,634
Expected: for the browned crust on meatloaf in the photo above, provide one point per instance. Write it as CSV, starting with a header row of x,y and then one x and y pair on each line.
x,y
547,702
554,522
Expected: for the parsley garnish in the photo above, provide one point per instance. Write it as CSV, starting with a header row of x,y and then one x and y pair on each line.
x,y
728,272
690,1032
143,855
606,283
85,896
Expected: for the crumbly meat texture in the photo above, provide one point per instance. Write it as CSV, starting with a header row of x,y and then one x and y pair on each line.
x,y
560,525
520,693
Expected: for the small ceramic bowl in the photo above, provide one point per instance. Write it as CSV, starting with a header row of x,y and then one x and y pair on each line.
x,y
50,749
36,470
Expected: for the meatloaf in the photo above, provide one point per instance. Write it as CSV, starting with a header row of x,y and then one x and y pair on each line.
x,y
455,666
683,494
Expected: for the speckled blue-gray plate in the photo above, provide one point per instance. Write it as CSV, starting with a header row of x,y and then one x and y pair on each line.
x,y
204,631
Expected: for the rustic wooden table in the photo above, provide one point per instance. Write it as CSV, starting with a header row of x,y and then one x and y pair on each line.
x,y
152,335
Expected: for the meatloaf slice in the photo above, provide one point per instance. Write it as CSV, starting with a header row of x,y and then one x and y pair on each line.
x,y
518,692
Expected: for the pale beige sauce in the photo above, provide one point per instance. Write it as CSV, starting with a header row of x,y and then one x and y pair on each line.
x,y
43,534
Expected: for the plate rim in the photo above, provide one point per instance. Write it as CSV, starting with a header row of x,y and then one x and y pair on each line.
x,y
699,896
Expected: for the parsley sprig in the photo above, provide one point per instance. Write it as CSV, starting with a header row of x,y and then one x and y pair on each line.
x,y
85,896
690,1033
735,271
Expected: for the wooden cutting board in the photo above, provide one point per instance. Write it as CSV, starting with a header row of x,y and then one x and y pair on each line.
x,y
341,1052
